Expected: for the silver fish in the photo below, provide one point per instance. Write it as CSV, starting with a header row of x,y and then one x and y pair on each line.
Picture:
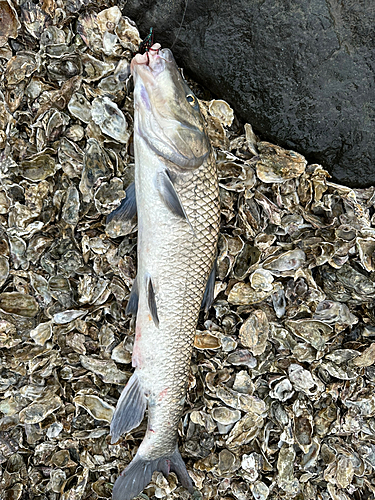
x,y
177,202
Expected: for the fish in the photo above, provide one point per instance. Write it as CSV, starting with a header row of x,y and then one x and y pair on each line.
x,y
176,198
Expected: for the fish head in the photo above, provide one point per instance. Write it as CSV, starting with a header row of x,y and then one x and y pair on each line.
x,y
167,114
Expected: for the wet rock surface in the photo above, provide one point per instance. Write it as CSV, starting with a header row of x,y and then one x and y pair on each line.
x,y
281,393
301,73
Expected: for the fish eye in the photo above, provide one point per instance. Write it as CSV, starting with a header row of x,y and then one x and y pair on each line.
x,y
191,100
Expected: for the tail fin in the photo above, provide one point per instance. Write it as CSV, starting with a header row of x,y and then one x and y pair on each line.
x,y
138,474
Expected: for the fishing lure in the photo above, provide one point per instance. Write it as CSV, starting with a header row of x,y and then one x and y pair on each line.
x,y
147,43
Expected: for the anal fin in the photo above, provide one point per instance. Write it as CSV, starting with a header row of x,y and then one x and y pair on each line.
x,y
128,207
209,293
130,408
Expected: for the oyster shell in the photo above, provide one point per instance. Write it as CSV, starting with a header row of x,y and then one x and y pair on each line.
x,y
277,164
110,119
80,107
221,110
281,393
19,304
96,407
254,332
10,24
96,167
225,418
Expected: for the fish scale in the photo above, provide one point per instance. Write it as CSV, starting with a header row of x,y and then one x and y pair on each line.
x,y
177,199
195,255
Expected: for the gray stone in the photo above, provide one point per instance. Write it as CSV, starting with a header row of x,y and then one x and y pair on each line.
x,y
301,72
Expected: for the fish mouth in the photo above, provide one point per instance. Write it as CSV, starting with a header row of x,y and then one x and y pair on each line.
x,y
153,61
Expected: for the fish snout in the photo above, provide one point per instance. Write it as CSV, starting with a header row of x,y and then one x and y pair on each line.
x,y
150,58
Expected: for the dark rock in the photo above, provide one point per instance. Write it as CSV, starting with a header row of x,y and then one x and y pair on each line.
x,y
302,72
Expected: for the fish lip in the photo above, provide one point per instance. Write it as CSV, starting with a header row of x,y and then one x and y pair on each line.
x,y
148,59
150,62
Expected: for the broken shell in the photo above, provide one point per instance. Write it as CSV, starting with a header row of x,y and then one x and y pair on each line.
x,y
128,34
259,490
108,19
121,354
108,196
366,249
279,302
8,337
225,418
304,381
286,479
106,369
334,312
261,279
96,167
20,67
94,69
52,36
367,358
251,139
244,294
70,210
68,316
244,431
38,411
242,357
316,333
251,464
302,427
64,68
122,71
243,383
228,463
75,133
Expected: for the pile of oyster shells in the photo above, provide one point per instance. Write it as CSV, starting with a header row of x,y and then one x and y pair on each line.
x,y
281,401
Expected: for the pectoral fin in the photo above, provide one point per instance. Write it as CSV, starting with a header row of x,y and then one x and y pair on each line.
x,y
132,306
169,195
